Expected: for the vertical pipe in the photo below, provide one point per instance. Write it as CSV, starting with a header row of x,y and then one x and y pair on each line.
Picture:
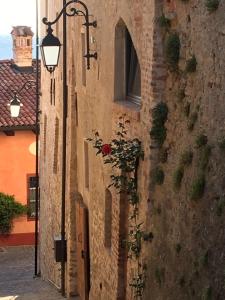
x,y
37,146
64,116
87,38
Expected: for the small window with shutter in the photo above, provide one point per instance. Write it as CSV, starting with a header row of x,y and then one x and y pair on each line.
x,y
31,188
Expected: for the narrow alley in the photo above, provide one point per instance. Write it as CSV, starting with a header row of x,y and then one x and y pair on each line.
x,y
112,157
16,276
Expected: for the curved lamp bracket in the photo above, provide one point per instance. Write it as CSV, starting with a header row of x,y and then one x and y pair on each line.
x,y
71,12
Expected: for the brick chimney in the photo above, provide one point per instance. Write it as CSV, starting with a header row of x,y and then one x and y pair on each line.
x,y
22,46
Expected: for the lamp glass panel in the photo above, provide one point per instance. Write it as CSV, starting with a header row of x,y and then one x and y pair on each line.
x,y
51,55
14,110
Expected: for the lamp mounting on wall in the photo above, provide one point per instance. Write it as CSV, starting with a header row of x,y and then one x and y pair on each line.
x,y
50,46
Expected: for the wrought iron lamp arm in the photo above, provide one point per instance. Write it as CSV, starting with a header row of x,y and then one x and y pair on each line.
x,y
87,24
28,83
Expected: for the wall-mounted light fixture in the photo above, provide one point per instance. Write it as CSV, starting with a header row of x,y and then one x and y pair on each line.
x,y
50,49
50,46
15,104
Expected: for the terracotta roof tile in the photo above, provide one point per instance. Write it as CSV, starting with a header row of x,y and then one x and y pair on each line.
x,y
12,79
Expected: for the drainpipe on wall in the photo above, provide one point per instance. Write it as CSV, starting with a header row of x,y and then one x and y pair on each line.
x,y
64,116
36,272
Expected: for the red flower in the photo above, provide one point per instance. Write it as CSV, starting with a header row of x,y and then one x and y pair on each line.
x,y
106,149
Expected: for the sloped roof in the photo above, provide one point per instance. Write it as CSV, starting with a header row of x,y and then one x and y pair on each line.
x,y
12,79
22,31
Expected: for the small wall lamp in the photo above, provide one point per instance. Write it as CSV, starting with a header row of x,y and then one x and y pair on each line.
x,y
15,103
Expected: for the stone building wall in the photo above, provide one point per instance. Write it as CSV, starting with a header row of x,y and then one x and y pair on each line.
x,y
182,259
97,110
50,163
185,212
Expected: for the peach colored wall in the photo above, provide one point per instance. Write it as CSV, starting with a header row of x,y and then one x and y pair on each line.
x,y
16,162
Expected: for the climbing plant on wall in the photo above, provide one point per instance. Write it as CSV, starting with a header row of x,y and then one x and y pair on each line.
x,y
123,155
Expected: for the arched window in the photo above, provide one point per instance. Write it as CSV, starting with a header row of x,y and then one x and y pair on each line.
x,y
127,67
108,219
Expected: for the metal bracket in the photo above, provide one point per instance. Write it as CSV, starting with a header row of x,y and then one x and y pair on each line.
x,y
93,24
92,55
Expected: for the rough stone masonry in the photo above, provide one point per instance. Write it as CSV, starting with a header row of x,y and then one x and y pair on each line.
x,y
179,46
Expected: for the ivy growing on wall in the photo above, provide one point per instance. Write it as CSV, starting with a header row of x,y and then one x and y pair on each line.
x,y
191,65
158,134
159,117
157,175
197,188
212,5
164,22
192,120
173,50
177,177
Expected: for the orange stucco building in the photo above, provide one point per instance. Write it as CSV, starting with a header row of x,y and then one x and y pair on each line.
x,y
17,164
17,135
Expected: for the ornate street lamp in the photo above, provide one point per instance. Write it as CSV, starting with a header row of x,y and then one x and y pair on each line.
x,y
50,46
15,105
50,49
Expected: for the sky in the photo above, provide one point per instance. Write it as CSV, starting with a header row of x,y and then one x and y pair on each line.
x,y
17,12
